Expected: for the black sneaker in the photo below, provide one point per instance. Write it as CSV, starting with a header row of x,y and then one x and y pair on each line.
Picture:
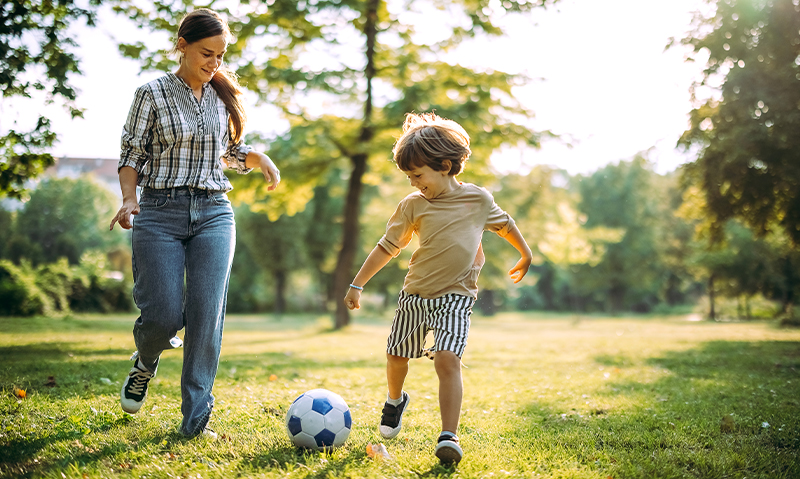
x,y
392,417
448,451
134,389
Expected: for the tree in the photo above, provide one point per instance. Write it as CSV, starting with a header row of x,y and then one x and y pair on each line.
x,y
623,196
749,161
361,61
275,246
64,218
35,57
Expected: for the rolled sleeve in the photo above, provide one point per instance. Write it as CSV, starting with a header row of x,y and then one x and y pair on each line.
x,y
137,134
235,157
499,221
399,230
390,247
503,231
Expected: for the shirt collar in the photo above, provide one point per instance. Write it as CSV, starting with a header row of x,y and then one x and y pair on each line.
x,y
179,81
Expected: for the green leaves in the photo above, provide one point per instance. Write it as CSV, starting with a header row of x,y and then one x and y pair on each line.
x,y
749,165
35,56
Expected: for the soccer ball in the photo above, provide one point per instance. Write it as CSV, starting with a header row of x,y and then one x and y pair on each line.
x,y
318,419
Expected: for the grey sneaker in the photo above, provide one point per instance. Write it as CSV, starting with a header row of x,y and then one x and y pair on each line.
x,y
392,416
134,389
448,451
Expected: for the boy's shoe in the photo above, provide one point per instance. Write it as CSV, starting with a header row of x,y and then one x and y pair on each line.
x,y
447,450
391,419
134,389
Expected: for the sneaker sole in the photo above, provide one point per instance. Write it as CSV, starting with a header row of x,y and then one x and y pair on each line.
x,y
449,452
129,408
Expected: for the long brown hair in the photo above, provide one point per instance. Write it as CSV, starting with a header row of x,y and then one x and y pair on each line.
x,y
203,23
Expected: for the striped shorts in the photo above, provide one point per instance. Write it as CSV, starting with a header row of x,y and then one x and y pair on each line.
x,y
448,317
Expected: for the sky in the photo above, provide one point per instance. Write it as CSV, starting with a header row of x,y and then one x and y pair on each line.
x,y
602,80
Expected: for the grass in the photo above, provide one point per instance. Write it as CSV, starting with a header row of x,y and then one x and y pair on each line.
x,y
545,396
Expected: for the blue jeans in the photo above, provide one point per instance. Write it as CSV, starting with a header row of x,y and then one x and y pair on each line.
x,y
183,243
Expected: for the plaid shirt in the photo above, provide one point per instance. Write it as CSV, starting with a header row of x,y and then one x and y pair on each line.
x,y
172,140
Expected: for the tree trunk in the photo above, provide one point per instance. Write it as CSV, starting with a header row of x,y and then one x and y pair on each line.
x,y
344,264
789,286
487,303
280,291
712,315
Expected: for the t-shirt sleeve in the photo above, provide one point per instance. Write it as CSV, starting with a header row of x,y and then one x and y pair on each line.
x,y
399,230
498,220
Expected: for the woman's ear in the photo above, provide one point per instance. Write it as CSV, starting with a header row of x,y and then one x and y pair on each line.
x,y
182,45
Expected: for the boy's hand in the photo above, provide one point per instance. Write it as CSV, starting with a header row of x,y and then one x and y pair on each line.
x,y
353,299
520,269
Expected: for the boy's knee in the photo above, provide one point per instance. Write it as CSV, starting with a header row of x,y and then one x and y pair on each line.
x,y
396,360
447,362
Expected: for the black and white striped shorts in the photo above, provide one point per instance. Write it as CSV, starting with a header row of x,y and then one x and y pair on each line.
x,y
448,317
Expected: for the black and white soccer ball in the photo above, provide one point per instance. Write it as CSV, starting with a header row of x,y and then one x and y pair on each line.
x,y
318,419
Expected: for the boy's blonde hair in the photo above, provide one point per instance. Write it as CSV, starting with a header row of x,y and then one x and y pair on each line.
x,y
429,140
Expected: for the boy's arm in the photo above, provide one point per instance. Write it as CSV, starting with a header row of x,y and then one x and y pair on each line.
x,y
376,260
519,270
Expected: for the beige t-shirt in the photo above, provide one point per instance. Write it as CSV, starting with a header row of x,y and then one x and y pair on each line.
x,y
450,226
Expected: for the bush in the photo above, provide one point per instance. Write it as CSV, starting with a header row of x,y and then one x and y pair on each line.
x,y
57,288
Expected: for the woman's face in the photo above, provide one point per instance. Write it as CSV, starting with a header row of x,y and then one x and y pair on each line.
x,y
201,59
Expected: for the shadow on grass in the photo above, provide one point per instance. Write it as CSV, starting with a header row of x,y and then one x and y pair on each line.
x,y
22,451
723,409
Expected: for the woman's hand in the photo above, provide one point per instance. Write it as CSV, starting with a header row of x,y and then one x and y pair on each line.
x,y
123,216
268,168
271,173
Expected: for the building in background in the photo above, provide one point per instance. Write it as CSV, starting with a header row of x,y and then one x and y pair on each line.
x,y
103,170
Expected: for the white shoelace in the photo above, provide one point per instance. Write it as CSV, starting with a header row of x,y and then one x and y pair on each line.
x,y
139,379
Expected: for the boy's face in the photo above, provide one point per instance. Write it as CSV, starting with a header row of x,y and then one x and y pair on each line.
x,y
429,182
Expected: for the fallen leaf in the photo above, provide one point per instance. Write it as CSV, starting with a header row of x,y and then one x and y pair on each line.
x,y
727,424
273,377
377,451
20,393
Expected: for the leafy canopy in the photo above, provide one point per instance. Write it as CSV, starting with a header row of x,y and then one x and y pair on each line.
x,y
35,57
749,164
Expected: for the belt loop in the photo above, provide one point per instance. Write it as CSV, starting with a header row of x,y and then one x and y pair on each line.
x,y
173,193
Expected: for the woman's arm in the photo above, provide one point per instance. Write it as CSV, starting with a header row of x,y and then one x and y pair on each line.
x,y
268,168
128,177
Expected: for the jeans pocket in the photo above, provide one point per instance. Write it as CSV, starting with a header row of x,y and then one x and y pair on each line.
x,y
153,201
220,199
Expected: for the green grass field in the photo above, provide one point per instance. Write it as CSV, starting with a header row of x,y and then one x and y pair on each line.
x,y
545,396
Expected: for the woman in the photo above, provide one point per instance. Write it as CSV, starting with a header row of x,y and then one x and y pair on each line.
x,y
178,128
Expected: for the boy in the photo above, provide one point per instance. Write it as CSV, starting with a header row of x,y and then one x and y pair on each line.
x,y
441,285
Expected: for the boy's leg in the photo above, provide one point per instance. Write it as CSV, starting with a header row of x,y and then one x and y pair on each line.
x,y
405,341
451,390
450,322
396,371
397,402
